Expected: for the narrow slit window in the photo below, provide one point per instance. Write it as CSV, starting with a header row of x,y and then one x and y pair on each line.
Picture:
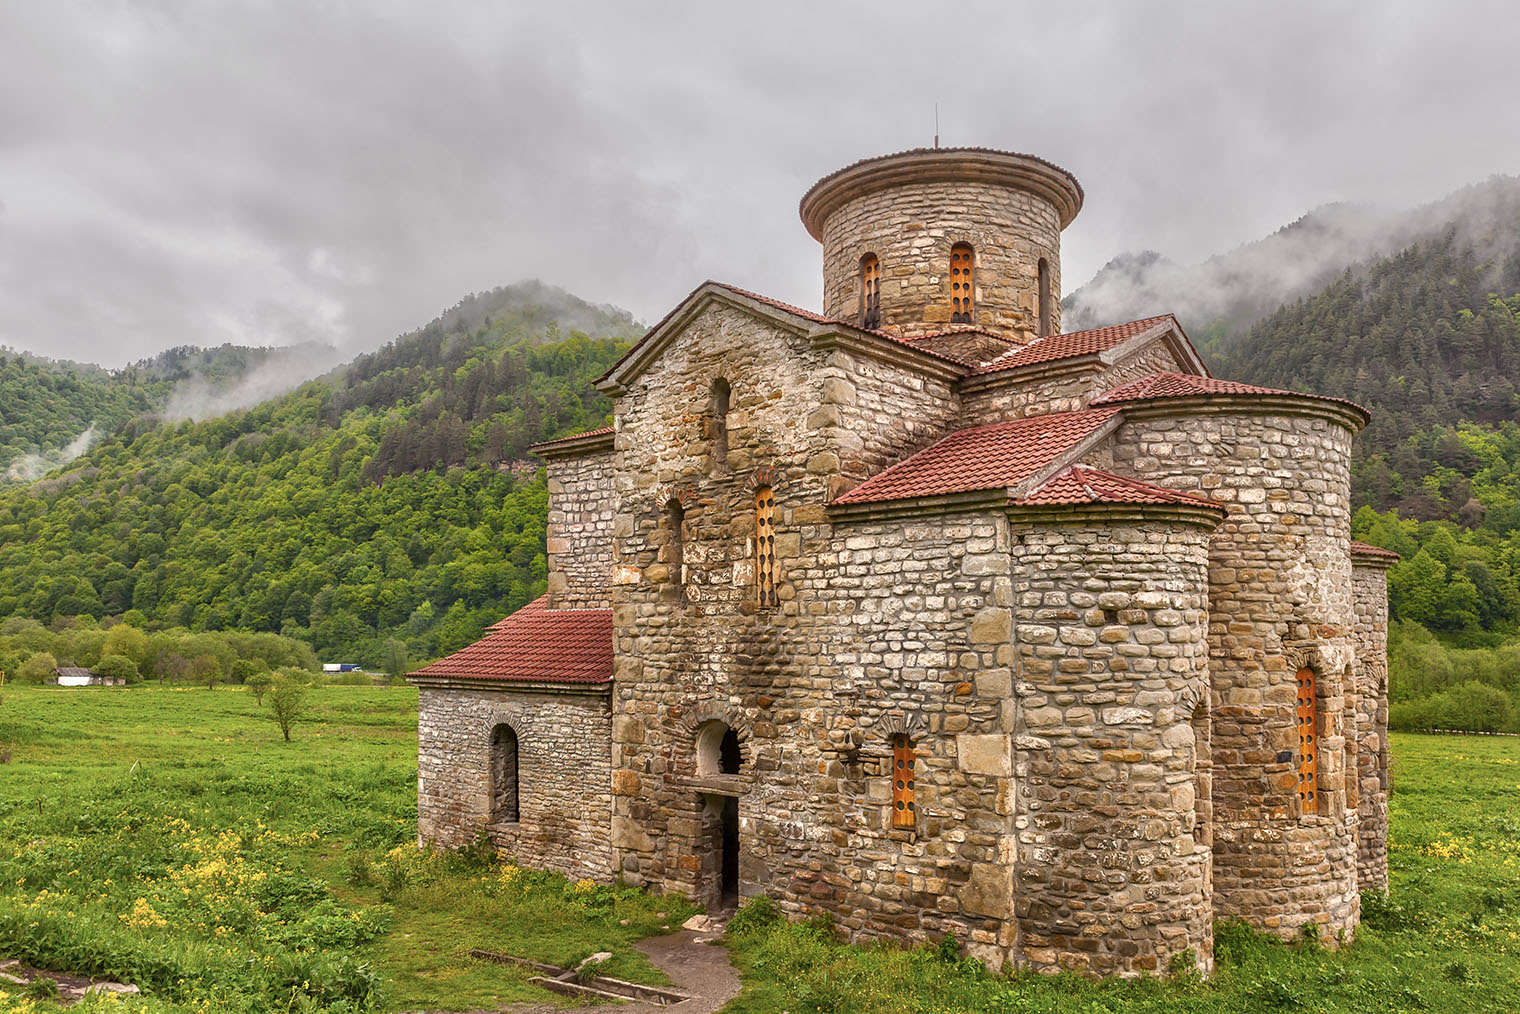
x,y
1044,297
904,812
675,546
765,546
962,281
1308,747
870,291
720,398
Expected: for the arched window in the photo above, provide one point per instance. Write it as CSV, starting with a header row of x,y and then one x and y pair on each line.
x,y
720,396
870,291
503,775
728,753
718,751
1308,748
962,280
765,546
1044,297
675,546
904,813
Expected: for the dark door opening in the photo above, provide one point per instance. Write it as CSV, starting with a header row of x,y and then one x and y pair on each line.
x,y
729,893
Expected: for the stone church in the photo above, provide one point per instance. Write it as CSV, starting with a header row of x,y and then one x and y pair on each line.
x,y
922,614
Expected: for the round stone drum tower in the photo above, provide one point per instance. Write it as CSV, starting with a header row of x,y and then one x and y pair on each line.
x,y
920,241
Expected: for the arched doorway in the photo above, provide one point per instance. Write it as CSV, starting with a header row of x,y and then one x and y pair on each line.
x,y
720,757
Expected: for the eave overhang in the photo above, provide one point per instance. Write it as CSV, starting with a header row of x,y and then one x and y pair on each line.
x,y
601,689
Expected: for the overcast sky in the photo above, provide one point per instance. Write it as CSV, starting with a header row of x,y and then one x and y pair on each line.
x,y
268,172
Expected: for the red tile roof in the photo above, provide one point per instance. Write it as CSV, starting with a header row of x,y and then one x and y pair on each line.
x,y
602,432
1363,549
995,456
1076,343
539,645
1082,485
1182,385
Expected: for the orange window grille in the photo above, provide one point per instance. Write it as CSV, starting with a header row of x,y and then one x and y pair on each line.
x,y
765,546
962,272
870,291
904,814
1308,749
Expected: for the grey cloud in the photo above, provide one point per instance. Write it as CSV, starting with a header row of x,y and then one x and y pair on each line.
x,y
278,172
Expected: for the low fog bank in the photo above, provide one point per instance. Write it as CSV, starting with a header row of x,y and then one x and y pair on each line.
x,y
1242,286
282,370
29,467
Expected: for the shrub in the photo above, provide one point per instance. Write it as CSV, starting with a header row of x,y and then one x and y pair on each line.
x,y
38,668
258,683
756,914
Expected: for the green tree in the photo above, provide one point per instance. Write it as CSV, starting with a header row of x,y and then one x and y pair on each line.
x,y
287,702
206,669
1416,587
258,683
127,640
396,662
118,667
38,668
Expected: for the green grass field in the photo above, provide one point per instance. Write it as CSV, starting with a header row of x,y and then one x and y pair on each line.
x,y
172,839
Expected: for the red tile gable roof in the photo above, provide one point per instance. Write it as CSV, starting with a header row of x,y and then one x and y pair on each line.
x,y
1083,485
1076,343
602,432
1182,385
1363,549
995,456
538,645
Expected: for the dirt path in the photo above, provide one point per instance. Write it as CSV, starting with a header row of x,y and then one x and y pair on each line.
x,y
697,964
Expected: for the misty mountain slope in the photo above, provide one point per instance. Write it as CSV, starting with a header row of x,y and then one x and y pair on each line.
x,y
1426,337
1429,341
377,502
52,410
1218,299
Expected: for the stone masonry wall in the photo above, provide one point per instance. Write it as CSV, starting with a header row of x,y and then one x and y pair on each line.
x,y
910,633
876,414
564,775
876,629
706,650
1370,584
911,230
1280,598
579,536
1112,645
1065,392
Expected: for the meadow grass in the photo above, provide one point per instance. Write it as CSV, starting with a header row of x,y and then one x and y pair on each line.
x,y
169,837
1446,938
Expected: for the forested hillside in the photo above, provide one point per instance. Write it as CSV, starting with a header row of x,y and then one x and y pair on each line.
x,y
52,410
1429,340
380,503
